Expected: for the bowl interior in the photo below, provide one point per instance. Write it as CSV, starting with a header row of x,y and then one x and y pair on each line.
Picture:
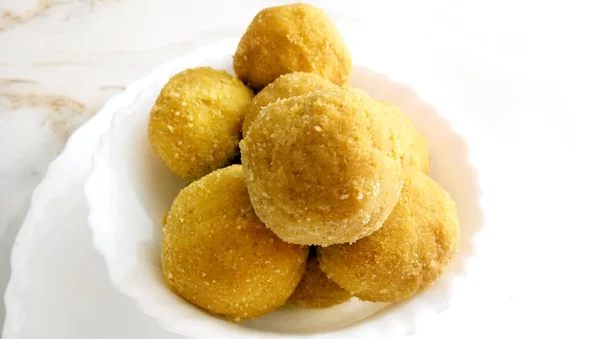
x,y
141,190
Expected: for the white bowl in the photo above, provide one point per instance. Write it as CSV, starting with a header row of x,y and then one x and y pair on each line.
x,y
130,190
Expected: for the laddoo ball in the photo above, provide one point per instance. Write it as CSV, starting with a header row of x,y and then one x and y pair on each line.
x,y
316,290
291,38
219,256
415,153
286,86
323,168
195,124
407,254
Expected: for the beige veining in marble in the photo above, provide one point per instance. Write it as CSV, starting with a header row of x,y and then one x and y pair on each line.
x,y
61,111
54,63
111,88
12,18
8,82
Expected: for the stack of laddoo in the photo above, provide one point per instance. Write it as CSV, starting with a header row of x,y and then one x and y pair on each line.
x,y
332,199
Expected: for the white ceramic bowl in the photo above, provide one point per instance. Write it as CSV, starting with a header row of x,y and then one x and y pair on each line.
x,y
130,190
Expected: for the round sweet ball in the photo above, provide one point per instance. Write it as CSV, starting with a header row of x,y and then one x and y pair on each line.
x,y
414,146
407,254
316,290
219,256
291,38
323,168
286,86
195,124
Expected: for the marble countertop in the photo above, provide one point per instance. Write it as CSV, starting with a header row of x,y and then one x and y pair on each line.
x,y
60,60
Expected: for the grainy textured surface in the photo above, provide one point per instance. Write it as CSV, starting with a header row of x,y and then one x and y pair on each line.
x,y
316,290
291,38
195,124
286,86
323,168
415,152
219,256
407,254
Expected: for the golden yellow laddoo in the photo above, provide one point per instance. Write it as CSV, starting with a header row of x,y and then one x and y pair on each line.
x,y
291,38
323,168
407,254
316,290
286,86
219,256
414,146
195,124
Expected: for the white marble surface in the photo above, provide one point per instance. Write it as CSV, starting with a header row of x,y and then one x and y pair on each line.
x,y
60,60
